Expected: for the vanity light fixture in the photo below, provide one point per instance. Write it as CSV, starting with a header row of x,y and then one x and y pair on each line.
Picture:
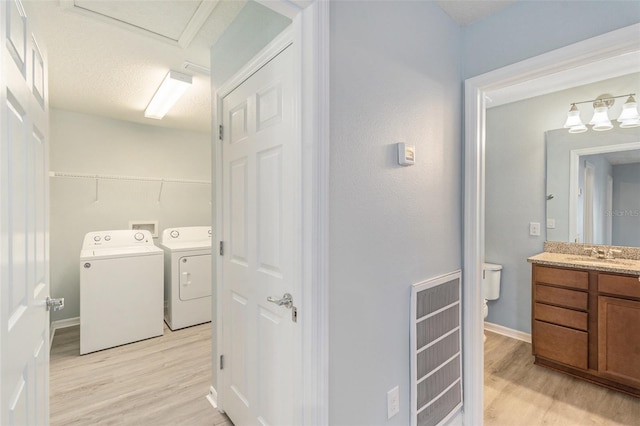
x,y
600,120
629,116
171,89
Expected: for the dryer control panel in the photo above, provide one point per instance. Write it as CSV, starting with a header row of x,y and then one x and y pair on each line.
x,y
186,234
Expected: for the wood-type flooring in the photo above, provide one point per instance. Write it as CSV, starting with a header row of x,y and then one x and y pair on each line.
x,y
158,381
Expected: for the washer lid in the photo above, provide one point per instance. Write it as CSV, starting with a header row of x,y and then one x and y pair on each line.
x,y
110,253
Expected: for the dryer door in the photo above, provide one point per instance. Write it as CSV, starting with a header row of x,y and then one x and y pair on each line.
x,y
195,277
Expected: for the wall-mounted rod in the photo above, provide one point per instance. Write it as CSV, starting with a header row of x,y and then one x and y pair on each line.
x,y
604,98
128,178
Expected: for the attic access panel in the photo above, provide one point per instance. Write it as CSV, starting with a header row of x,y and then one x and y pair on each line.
x,y
150,16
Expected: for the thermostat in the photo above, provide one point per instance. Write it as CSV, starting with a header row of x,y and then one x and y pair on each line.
x,y
406,154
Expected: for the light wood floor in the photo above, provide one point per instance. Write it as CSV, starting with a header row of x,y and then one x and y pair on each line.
x,y
159,381
163,381
517,392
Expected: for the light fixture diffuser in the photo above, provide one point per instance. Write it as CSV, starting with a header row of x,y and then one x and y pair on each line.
x,y
574,123
629,116
171,89
600,120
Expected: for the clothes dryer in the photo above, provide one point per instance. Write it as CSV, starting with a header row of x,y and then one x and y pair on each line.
x,y
121,281
187,276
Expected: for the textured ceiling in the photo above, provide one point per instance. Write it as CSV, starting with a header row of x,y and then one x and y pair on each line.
x,y
108,57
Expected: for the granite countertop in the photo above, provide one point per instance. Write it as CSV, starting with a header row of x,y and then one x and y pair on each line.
x,y
619,265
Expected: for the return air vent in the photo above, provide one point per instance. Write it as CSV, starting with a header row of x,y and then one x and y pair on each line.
x,y
436,355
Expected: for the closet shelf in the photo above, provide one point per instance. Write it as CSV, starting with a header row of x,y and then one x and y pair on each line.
x,y
127,178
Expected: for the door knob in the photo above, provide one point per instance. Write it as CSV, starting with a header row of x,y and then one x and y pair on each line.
x,y
286,301
56,304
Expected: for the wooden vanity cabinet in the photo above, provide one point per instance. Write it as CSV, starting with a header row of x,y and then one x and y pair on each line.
x,y
587,323
619,328
560,315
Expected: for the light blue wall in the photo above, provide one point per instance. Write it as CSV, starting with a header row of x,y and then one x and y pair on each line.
x,y
516,189
530,28
626,204
395,77
253,28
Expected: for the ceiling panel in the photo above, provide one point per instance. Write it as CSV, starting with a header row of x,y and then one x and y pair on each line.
x,y
149,15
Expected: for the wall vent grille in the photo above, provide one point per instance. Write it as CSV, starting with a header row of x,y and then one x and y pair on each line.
x,y
436,354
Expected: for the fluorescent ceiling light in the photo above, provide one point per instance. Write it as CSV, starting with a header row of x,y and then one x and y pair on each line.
x,y
173,86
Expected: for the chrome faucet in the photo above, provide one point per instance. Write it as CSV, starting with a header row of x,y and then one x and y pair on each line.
x,y
612,252
593,252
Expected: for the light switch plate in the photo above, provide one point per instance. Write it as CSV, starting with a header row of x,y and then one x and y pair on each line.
x,y
406,154
534,229
393,402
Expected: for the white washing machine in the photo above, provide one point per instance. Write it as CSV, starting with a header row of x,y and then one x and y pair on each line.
x,y
187,276
121,281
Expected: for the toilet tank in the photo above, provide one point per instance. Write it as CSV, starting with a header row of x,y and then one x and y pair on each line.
x,y
491,281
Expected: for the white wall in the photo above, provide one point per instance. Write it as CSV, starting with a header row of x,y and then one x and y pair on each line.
x,y
83,143
395,77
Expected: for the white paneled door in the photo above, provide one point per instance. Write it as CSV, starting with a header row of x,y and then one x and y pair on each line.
x,y
260,276
24,320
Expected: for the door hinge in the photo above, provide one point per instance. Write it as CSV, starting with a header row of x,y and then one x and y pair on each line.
x,y
221,362
221,248
220,132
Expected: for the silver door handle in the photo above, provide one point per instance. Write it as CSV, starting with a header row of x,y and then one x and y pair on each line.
x,y
286,301
56,304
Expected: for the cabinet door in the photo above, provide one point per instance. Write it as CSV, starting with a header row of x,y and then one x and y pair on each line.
x,y
619,339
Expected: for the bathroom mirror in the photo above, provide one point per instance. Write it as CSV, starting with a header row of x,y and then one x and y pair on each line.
x,y
593,187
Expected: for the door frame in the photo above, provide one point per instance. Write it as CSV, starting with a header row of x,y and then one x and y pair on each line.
x,y
309,33
532,73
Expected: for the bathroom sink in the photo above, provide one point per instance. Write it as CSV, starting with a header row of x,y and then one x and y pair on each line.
x,y
601,262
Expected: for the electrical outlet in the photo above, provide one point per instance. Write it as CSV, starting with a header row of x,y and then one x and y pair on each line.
x,y
393,402
551,223
534,229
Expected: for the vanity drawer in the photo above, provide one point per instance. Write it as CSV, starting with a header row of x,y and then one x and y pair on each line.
x,y
561,297
619,285
562,277
561,344
561,316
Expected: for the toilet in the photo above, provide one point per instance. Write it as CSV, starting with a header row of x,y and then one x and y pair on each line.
x,y
490,284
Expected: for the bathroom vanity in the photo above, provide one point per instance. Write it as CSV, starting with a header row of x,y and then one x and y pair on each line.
x,y
586,317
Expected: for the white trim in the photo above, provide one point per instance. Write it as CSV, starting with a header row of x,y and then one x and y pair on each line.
x,y
508,332
56,325
212,397
311,20
601,48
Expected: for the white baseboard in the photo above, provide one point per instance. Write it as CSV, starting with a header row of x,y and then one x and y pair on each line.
x,y
213,397
69,322
509,332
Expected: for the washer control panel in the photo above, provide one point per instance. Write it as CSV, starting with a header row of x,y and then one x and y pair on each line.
x,y
116,238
